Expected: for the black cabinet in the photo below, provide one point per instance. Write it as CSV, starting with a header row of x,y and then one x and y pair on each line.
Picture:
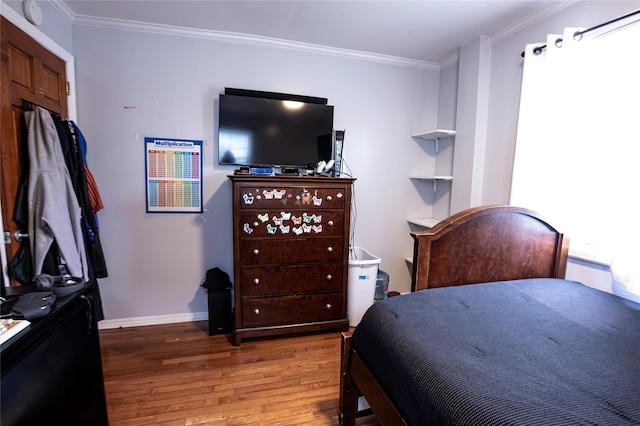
x,y
52,371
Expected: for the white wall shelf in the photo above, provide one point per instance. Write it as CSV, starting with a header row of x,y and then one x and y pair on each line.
x,y
431,177
434,135
424,222
435,179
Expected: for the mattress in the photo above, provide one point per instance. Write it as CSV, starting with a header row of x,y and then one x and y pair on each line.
x,y
526,352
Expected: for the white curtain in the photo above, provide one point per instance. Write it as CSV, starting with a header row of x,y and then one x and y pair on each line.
x,y
577,157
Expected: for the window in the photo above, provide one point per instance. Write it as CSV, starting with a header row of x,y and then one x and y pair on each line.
x,y
577,155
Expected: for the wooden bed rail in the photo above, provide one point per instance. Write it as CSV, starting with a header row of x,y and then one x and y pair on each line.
x,y
352,369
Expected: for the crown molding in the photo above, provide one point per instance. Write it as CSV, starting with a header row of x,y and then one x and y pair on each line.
x,y
230,37
62,9
247,39
519,25
530,19
451,60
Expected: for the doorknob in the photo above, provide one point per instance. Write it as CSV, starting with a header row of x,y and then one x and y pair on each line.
x,y
19,236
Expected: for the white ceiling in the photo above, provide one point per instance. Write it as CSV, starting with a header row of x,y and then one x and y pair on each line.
x,y
429,31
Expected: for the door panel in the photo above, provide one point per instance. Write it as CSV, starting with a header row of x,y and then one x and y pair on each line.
x,y
31,73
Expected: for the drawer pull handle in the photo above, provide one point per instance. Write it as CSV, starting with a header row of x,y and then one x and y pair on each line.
x,y
330,223
329,198
329,249
256,281
256,252
328,306
329,277
256,311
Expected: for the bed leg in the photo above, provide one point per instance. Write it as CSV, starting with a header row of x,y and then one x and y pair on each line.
x,y
348,391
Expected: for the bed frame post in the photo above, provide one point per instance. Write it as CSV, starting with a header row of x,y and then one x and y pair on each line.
x,y
349,393
420,269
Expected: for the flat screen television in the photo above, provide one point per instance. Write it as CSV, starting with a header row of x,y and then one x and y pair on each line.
x,y
275,131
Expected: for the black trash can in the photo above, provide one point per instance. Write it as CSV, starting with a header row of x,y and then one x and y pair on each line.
x,y
218,288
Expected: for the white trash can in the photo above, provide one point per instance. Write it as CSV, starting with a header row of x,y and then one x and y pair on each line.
x,y
361,283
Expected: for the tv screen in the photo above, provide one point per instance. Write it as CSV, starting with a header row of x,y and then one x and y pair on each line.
x,y
258,131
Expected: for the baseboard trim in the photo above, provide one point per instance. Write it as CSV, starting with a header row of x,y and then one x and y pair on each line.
x,y
152,320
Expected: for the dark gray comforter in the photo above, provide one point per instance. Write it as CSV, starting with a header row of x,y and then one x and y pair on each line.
x,y
528,352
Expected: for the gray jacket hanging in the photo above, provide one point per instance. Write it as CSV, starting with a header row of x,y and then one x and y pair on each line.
x,y
54,212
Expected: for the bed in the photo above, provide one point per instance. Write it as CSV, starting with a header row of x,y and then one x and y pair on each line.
x,y
492,333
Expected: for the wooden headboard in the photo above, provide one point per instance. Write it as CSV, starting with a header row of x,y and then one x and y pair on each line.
x,y
488,243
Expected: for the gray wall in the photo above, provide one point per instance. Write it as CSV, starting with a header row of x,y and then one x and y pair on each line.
x,y
135,84
132,85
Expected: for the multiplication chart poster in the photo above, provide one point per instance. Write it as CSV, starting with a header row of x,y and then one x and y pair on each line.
x,y
174,175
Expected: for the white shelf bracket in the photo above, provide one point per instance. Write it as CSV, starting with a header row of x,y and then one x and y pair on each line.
x,y
437,144
435,185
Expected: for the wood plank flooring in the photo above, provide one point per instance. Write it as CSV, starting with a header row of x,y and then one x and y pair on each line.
x,y
177,374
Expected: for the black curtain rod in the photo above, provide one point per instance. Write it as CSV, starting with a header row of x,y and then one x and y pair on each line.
x,y
539,49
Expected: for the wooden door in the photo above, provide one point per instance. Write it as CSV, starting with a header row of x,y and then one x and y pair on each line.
x,y
28,73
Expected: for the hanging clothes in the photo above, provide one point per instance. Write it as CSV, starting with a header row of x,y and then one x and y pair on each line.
x,y
92,202
92,187
72,142
73,146
54,214
94,195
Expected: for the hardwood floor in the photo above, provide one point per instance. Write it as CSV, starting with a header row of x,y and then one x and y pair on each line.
x,y
179,375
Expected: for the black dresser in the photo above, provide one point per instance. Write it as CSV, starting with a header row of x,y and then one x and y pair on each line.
x,y
52,370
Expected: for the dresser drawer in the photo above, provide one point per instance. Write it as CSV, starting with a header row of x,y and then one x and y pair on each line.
x,y
292,197
289,223
275,280
290,251
291,309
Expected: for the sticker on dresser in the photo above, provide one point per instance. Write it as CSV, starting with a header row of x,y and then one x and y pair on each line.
x,y
315,218
247,228
304,198
271,229
248,198
268,194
